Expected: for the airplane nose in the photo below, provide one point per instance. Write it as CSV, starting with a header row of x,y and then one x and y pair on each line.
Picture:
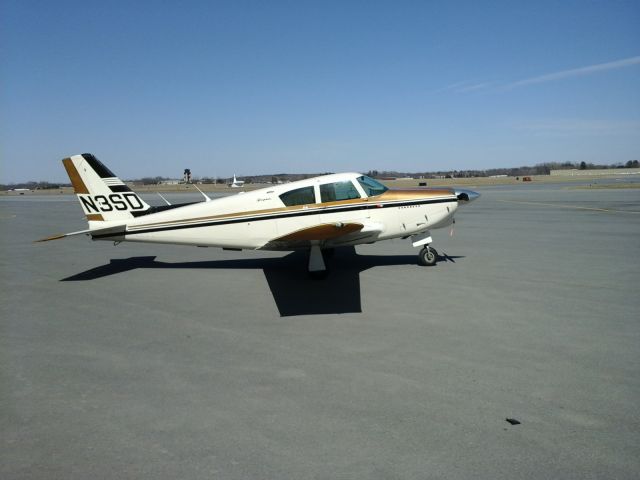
x,y
466,195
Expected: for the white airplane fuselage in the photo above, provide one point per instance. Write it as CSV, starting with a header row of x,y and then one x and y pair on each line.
x,y
315,214
253,219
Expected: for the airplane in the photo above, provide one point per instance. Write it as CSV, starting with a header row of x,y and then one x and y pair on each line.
x,y
316,214
236,183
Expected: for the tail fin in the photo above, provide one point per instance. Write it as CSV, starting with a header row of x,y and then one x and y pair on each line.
x,y
102,195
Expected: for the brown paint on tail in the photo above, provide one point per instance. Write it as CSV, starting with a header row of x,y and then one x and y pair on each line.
x,y
74,176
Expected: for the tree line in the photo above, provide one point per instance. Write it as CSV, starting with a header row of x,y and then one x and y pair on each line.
x,y
539,169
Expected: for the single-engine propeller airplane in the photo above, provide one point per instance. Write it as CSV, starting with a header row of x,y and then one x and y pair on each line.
x,y
316,214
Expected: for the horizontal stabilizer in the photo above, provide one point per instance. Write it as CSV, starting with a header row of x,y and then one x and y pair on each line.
x,y
114,231
64,235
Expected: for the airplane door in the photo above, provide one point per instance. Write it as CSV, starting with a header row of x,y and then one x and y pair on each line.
x,y
301,212
341,202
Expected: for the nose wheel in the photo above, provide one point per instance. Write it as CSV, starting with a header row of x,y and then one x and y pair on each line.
x,y
427,256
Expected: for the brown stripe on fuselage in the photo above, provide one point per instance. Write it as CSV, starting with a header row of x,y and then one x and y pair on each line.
x,y
389,195
230,215
74,176
413,194
95,217
310,206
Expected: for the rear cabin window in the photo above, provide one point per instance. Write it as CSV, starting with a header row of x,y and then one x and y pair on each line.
x,y
299,196
331,192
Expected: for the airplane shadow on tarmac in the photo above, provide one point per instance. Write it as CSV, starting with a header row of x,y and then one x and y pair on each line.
x,y
294,292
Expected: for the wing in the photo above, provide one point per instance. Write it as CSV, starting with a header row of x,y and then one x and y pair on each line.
x,y
326,235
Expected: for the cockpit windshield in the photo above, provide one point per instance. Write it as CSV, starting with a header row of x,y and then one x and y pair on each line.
x,y
371,187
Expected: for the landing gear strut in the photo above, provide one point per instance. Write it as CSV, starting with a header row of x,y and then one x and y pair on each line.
x,y
428,256
317,267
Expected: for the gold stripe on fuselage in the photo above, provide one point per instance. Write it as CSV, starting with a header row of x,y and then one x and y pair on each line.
x,y
388,196
413,194
227,215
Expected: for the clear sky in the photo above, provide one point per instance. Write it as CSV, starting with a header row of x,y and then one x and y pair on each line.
x,y
249,87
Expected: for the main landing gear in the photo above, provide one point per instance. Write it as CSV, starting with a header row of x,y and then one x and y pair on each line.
x,y
317,267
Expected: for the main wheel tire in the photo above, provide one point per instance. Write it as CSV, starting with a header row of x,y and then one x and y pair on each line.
x,y
427,257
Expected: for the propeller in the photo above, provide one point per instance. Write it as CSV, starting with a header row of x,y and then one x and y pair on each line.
x,y
466,195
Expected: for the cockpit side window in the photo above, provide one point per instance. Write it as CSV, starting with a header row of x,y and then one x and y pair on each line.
x,y
331,192
371,187
299,196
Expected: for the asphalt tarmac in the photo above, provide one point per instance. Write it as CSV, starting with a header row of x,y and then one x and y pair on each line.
x,y
153,362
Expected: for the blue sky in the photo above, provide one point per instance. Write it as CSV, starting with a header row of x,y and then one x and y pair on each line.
x,y
153,87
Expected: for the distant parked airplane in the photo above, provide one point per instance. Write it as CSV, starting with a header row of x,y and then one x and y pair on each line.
x,y
316,214
236,183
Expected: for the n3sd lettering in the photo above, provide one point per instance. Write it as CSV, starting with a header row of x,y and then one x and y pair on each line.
x,y
109,203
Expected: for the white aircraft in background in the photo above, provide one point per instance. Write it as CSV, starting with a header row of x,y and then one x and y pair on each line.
x,y
315,214
236,183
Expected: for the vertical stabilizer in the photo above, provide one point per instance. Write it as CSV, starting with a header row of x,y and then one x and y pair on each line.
x,y
102,195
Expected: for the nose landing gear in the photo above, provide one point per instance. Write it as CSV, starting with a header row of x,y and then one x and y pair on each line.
x,y
428,256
